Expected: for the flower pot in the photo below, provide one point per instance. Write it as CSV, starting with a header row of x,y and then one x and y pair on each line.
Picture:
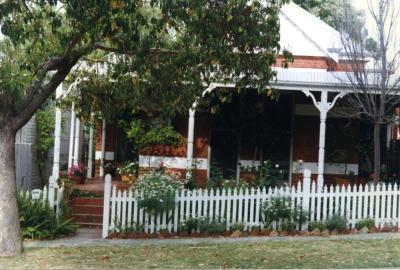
x,y
78,180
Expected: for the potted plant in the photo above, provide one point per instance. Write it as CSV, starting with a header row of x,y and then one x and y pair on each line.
x,y
77,174
128,172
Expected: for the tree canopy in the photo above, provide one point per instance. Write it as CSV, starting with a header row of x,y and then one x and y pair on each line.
x,y
182,56
165,53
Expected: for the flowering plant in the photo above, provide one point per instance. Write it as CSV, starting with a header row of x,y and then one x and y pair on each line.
x,y
129,168
77,170
156,191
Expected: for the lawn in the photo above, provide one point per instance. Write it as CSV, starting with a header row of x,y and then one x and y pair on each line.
x,y
282,254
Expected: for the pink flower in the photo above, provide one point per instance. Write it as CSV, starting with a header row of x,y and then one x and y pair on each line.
x,y
77,170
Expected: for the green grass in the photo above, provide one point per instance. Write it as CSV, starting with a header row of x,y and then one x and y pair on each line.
x,y
282,254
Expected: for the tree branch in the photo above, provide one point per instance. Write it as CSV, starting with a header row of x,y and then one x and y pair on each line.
x,y
38,94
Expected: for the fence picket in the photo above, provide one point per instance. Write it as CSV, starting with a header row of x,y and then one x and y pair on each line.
x,y
246,207
113,204
175,220
395,207
234,201
223,199
228,208
217,198
258,204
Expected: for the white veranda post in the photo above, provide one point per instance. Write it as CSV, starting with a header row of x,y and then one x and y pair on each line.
x,y
71,136
103,147
190,140
90,153
57,137
76,141
324,107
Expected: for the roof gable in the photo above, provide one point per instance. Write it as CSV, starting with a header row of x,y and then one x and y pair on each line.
x,y
303,33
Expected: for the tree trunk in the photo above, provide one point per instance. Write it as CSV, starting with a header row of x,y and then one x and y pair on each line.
x,y
377,152
10,232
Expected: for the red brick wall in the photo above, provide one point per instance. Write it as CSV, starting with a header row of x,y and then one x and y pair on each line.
x,y
110,136
316,62
306,138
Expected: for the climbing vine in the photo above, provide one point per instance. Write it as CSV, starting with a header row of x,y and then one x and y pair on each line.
x,y
44,137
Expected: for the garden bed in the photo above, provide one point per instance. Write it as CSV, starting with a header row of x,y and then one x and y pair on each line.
x,y
238,233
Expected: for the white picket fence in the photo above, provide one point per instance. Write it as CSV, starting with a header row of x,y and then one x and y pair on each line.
x,y
379,202
52,196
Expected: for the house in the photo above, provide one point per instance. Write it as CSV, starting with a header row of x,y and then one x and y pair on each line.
x,y
296,132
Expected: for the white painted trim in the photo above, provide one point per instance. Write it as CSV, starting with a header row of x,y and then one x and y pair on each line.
x,y
249,163
171,162
108,155
330,168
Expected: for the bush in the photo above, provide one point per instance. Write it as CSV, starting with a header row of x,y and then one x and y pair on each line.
x,y
337,223
39,221
368,222
320,225
157,191
288,226
189,225
238,226
213,227
133,228
280,209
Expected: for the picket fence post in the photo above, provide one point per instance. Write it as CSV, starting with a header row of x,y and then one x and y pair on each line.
x,y
106,205
306,192
52,185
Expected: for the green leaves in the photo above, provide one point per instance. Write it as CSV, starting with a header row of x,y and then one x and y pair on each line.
x,y
39,221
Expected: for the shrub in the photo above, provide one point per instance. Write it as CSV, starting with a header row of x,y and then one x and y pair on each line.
x,y
238,226
39,221
288,226
188,225
337,223
133,228
320,225
157,191
213,227
280,209
368,222
254,228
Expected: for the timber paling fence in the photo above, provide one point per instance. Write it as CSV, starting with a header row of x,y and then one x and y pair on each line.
x,y
238,205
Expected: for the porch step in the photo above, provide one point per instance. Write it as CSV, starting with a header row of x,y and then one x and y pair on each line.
x,y
87,209
88,218
87,212
88,201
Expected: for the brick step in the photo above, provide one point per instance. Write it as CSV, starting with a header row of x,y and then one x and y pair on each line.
x,y
88,218
87,201
87,209
90,225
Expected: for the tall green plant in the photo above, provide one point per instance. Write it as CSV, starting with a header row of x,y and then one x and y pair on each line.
x,y
39,221
44,137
